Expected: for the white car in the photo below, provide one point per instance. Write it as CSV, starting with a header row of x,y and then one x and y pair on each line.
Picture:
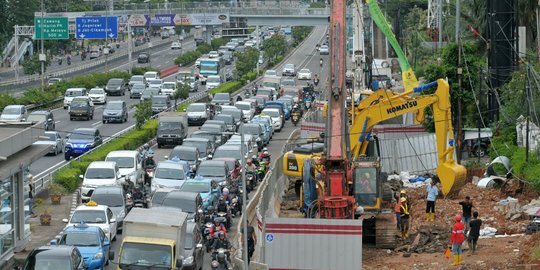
x,y
289,70
156,83
168,88
304,74
270,72
176,45
277,120
94,215
151,75
72,93
99,173
213,81
213,54
247,108
97,95
128,162
324,49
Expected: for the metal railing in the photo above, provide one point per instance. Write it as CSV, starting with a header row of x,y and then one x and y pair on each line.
x,y
42,182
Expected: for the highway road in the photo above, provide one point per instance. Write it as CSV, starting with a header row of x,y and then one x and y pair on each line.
x,y
304,56
161,58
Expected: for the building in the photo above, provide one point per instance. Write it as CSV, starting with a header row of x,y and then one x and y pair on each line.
x,y
16,154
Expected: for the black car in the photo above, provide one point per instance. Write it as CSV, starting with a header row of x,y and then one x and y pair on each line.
x,y
188,202
46,117
193,249
54,257
115,111
143,58
81,107
80,141
116,86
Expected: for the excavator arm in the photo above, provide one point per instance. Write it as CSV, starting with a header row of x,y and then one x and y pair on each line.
x,y
385,104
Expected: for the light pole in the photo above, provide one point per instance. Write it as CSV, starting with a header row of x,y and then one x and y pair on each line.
x,y
42,57
258,48
244,199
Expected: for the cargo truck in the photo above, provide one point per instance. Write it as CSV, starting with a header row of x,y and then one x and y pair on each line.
x,y
153,239
172,128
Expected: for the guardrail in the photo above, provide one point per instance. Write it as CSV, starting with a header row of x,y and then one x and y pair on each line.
x,y
268,195
42,182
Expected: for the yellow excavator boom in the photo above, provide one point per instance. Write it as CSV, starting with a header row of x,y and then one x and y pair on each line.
x,y
385,104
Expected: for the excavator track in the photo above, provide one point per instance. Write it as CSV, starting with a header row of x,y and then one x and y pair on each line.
x,y
385,231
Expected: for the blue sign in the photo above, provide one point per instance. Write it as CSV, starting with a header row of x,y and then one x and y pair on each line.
x,y
160,20
96,27
269,237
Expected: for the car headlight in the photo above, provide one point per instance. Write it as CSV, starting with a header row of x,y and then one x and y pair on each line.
x,y
98,256
188,260
118,88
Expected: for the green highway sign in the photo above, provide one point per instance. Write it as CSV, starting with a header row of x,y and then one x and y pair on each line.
x,y
53,28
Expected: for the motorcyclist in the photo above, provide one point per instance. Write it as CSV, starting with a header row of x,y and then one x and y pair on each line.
x,y
296,108
222,205
264,155
138,195
149,162
210,215
250,167
321,62
238,98
225,193
217,227
254,160
316,80
222,242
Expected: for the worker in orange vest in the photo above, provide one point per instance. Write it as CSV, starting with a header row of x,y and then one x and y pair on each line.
x,y
397,209
405,216
456,239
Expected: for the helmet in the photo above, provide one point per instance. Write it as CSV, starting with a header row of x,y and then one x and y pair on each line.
x,y
225,191
210,208
254,157
221,233
217,221
295,106
249,161
265,152
403,192
146,146
265,149
457,217
221,199
403,199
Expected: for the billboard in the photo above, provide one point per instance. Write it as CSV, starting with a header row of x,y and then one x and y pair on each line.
x,y
160,20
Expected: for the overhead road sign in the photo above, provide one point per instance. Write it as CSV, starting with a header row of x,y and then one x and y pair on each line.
x,y
161,19
53,28
138,20
96,27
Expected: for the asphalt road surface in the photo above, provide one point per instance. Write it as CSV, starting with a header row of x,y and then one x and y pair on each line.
x,y
303,57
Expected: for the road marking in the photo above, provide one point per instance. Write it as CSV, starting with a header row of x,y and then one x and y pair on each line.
x,y
96,123
56,122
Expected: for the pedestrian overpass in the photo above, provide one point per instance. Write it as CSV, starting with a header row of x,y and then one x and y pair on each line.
x,y
268,13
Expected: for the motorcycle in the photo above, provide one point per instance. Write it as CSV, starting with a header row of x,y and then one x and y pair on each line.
x,y
235,206
307,102
69,61
295,118
220,260
60,61
247,94
207,238
225,218
261,170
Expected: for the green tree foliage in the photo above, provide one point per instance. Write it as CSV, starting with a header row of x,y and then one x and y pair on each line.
x,y
143,112
274,46
299,33
182,92
246,62
320,4
33,65
472,62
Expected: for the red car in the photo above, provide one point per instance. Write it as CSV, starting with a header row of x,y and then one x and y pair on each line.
x,y
235,165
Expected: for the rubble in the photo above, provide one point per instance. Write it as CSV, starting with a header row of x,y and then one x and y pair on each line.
x,y
428,239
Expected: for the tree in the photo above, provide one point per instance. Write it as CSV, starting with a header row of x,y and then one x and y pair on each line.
x,y
143,112
274,47
33,65
182,92
246,61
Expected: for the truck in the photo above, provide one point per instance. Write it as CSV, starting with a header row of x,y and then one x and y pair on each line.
x,y
172,128
153,238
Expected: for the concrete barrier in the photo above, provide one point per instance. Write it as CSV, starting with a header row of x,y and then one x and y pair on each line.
x,y
168,71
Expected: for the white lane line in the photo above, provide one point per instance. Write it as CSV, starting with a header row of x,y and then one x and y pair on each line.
x,y
56,122
93,124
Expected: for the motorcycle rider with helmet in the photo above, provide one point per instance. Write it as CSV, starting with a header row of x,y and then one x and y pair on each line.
x,y
264,155
217,228
149,161
224,207
254,160
210,215
138,195
222,242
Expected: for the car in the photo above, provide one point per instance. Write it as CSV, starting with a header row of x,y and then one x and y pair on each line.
x,y
136,79
54,257
81,107
260,103
149,92
193,249
268,128
207,188
80,141
217,130
270,72
248,109
128,162
230,150
204,145
99,173
222,99
304,74
213,81
222,49
151,75
188,202
53,139
115,111
159,194
98,95
288,82
227,119
168,88
53,81
267,93
289,70
176,45
280,104
91,241
165,35
136,90
216,170
228,56
324,49
189,80
160,103
197,113
250,144
213,54
169,174
47,117
116,86
140,41
95,53
187,153
235,169
277,117
115,198
71,93
156,83
236,113
143,58
94,215
256,130
214,139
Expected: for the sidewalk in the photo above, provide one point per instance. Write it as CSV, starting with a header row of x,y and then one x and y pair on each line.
x,y
42,235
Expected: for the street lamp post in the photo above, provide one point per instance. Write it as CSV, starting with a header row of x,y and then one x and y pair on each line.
x,y
244,200
42,57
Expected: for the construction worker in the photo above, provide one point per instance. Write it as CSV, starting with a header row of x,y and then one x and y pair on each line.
x,y
403,194
456,239
397,209
474,233
432,193
467,206
405,215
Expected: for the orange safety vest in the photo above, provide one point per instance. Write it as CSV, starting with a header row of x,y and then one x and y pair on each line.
x,y
398,208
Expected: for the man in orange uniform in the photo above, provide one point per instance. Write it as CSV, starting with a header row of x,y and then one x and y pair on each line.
x,y
397,209
456,239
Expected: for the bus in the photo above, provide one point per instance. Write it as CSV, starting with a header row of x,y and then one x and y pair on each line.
x,y
212,66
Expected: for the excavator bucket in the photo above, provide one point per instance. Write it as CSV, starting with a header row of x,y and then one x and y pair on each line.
x,y
453,177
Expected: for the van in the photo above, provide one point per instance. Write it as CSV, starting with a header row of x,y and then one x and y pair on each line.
x,y
99,173
160,103
128,162
172,128
151,75
72,93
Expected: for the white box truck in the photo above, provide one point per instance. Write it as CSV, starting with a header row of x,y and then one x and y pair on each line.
x,y
153,238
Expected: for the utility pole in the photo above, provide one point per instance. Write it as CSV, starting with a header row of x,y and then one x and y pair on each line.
x,y
42,57
258,46
130,49
244,200
440,23
527,130
458,19
538,29
459,73
478,104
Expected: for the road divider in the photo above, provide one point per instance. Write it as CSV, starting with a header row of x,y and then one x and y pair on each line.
x,y
168,71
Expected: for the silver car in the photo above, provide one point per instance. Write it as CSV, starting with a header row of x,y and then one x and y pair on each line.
x,y
53,139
